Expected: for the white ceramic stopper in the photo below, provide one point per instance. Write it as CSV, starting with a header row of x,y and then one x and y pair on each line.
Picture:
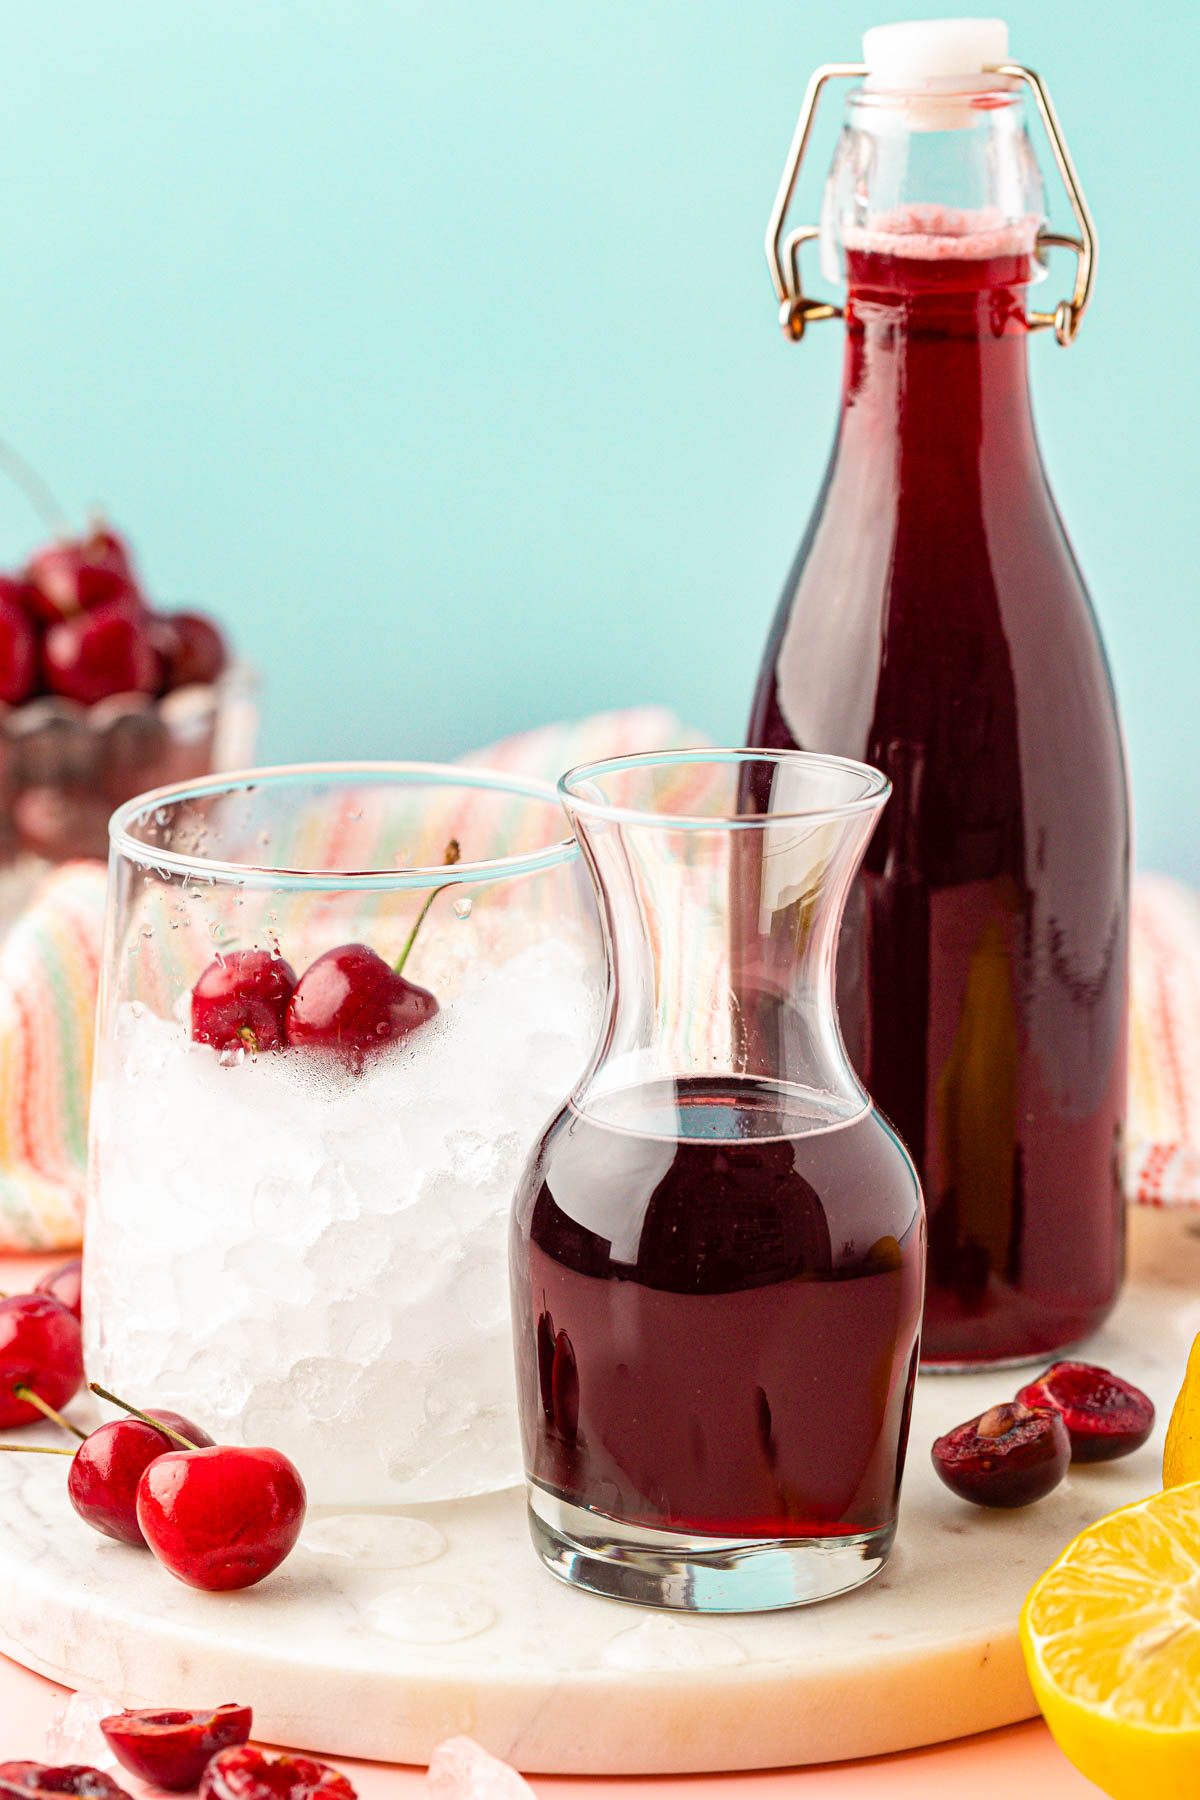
x,y
933,55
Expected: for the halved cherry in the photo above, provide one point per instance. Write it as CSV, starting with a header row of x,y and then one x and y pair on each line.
x,y
39,1781
172,1749
1105,1416
1008,1456
249,1775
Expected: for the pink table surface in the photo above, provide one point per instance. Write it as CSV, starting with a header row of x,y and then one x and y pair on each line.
x,y
992,1766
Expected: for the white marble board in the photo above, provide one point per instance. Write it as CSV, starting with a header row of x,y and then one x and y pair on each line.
x,y
385,1657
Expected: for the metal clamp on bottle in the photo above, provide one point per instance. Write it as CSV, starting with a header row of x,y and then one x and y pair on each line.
x,y
798,309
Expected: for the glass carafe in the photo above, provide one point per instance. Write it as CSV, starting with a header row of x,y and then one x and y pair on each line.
x,y
717,1248
936,623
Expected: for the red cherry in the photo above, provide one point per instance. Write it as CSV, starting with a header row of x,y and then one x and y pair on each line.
x,y
40,1348
95,654
172,1749
1105,1416
77,575
241,1000
350,1000
106,548
221,1518
64,1284
191,646
15,588
103,1478
1008,1456
33,1781
249,1775
18,649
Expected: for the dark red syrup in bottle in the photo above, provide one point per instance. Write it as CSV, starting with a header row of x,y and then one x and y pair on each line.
x,y
936,624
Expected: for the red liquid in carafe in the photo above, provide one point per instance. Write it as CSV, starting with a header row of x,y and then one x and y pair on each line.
x,y
716,1319
935,624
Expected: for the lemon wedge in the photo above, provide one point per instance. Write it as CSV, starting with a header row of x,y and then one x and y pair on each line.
x,y
1181,1456
1111,1636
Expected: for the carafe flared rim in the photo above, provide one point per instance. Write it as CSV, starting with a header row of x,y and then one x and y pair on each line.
x,y
866,789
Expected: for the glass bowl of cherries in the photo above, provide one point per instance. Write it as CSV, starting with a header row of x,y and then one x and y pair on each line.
x,y
103,695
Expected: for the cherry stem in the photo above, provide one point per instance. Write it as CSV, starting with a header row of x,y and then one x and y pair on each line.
x,y
40,497
38,1449
31,1399
146,1418
451,855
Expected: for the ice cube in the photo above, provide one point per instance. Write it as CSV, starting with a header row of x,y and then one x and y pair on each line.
x,y
74,1735
461,1769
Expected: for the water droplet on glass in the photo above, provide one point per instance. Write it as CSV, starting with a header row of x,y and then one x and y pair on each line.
x,y
463,907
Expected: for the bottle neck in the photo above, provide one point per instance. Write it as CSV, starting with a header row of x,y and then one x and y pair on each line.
x,y
936,355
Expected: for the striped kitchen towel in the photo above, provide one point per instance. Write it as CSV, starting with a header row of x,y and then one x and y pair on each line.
x,y
1163,1165
49,964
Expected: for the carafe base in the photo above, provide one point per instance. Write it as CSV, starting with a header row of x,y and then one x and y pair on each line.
x,y
699,1574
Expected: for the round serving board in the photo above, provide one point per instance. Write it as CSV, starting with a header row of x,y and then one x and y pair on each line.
x,y
388,1632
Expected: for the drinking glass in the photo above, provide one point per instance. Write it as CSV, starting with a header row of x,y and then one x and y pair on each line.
x,y
717,1248
299,1240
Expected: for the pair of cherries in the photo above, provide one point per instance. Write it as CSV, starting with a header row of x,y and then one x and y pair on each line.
x,y
1020,1450
218,1516
177,1751
76,623
349,1000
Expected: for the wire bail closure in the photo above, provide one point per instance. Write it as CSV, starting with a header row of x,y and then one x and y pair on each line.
x,y
797,309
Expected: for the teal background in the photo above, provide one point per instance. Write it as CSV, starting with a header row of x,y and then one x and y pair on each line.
x,y
434,347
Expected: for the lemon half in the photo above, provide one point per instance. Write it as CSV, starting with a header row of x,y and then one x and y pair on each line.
x,y
1111,1636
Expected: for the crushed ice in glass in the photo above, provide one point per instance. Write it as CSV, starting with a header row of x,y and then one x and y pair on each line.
x,y
297,1256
